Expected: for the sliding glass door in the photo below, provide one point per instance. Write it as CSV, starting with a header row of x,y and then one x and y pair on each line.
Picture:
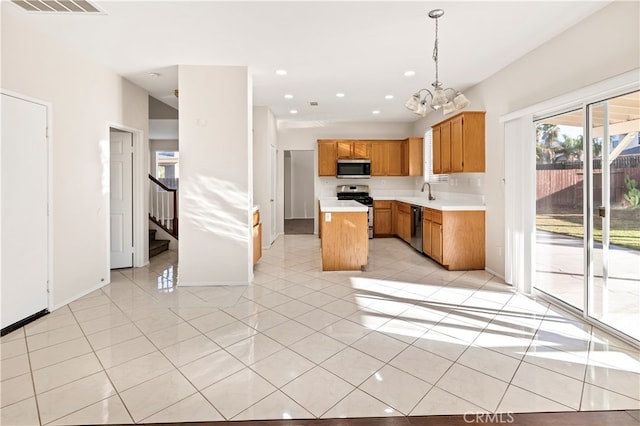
x,y
588,211
614,204
560,207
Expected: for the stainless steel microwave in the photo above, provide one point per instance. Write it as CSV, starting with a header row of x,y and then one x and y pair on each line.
x,y
354,169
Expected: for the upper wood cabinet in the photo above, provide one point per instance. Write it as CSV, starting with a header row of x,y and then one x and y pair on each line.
x,y
327,157
396,154
388,157
353,149
415,156
379,155
459,143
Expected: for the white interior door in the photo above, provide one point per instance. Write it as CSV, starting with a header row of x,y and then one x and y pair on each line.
x,y
121,199
25,230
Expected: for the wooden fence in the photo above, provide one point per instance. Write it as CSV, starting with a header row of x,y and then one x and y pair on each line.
x,y
561,185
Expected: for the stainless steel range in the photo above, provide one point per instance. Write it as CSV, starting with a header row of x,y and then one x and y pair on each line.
x,y
359,193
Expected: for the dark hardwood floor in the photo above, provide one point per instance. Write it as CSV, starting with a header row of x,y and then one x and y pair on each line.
x,y
582,418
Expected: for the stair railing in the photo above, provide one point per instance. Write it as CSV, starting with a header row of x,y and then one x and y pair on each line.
x,y
163,206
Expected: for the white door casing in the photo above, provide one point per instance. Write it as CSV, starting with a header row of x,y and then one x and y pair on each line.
x,y
121,189
25,194
272,192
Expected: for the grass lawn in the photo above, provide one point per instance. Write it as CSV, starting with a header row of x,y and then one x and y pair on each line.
x,y
625,225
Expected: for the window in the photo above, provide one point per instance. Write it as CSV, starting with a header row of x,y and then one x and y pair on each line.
x,y
428,161
167,168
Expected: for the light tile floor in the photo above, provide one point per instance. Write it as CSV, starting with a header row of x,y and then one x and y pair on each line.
x,y
406,337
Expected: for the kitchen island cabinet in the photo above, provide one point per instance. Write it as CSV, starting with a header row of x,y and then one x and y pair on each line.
x,y
345,235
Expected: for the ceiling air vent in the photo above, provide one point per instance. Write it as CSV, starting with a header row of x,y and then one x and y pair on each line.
x,y
313,103
57,6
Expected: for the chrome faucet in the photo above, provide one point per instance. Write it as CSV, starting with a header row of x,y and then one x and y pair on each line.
x,y
431,197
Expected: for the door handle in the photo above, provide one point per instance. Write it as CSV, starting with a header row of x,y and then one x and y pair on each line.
x,y
602,211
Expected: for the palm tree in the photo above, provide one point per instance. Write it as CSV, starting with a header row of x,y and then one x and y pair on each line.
x,y
546,138
572,148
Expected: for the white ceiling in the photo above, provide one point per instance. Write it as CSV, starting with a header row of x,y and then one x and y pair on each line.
x,y
361,48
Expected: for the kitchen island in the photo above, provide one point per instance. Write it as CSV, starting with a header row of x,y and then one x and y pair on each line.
x,y
344,235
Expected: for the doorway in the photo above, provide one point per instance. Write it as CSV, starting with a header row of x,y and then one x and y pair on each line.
x,y
25,205
588,211
121,198
298,192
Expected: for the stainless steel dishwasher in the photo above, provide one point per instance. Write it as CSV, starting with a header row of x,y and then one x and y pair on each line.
x,y
416,227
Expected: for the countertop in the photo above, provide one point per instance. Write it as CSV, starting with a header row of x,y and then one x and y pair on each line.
x,y
438,204
327,205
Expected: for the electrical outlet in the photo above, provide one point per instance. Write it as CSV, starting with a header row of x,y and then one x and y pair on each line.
x,y
327,217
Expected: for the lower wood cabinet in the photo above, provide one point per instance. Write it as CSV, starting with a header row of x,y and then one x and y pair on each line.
x,y
403,220
382,225
454,239
257,237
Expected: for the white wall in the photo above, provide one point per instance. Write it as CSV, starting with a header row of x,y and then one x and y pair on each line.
x,y
86,99
560,66
216,180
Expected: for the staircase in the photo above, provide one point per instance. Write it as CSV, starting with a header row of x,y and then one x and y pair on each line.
x,y
156,246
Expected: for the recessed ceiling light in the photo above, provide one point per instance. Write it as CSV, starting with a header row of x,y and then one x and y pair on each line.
x,y
389,97
154,74
281,72
340,95
375,112
409,73
288,96
293,111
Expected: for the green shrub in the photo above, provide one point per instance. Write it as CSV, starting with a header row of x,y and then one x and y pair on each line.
x,y
633,194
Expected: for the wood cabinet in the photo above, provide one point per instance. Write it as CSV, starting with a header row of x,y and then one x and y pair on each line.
x,y
415,156
257,237
403,221
454,239
354,149
379,155
382,226
388,157
327,157
396,158
459,143
345,240
426,231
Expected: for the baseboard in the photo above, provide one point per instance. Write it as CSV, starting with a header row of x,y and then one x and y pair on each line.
x,y
19,324
492,272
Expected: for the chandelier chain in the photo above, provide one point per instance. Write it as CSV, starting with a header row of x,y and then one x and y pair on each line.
x,y
435,55
449,99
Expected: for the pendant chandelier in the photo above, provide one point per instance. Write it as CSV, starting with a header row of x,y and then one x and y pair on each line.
x,y
454,101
